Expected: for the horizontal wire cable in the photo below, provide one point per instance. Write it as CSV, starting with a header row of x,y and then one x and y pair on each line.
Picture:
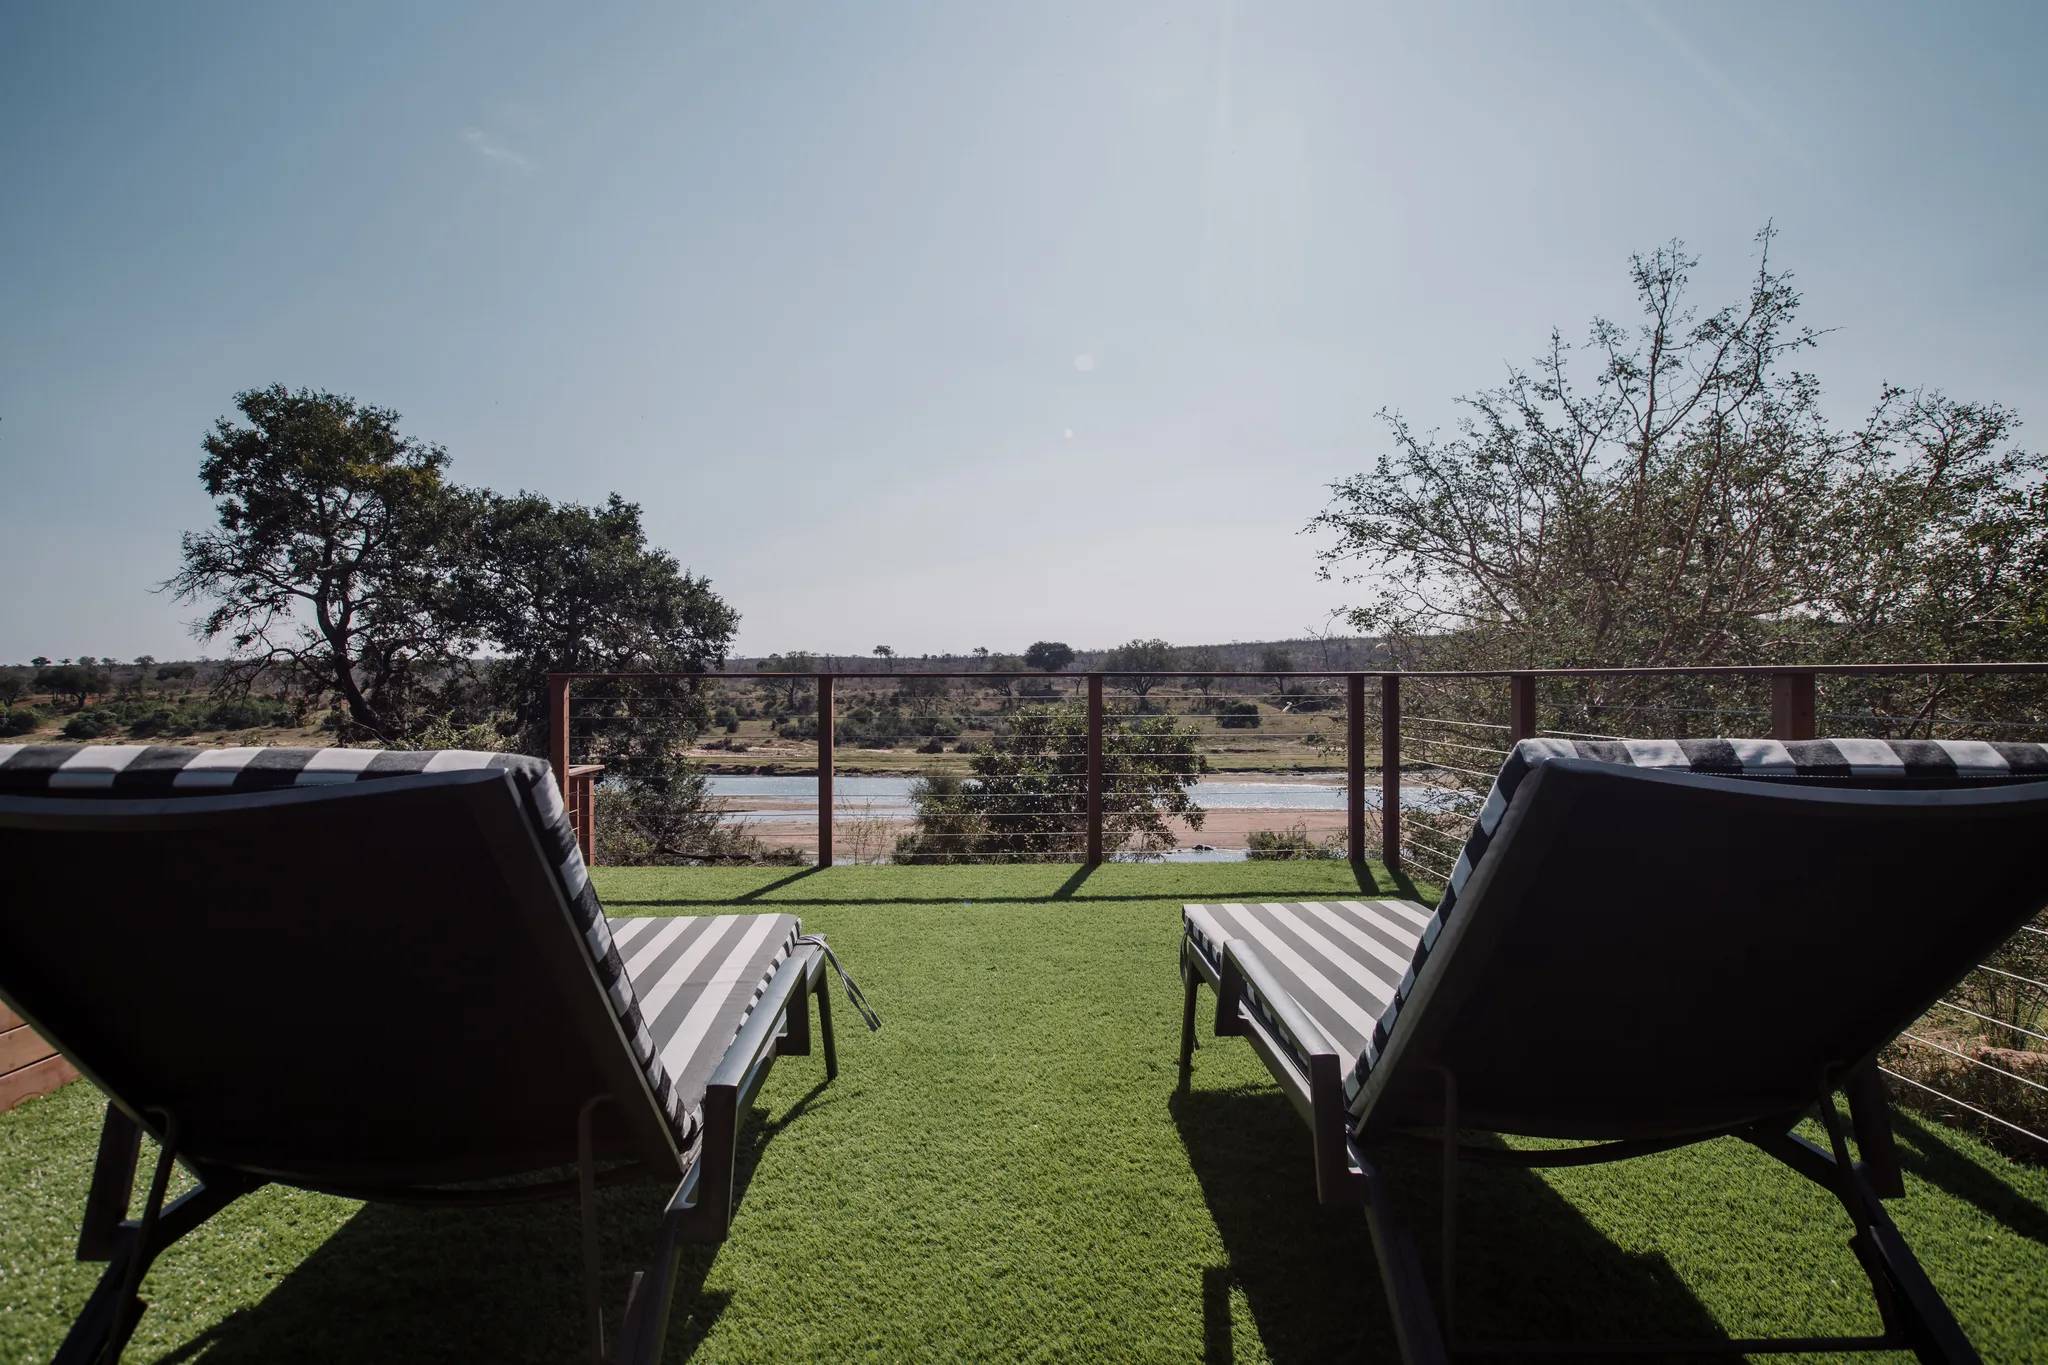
x,y
1975,1061
1964,1104
2000,971
1950,1005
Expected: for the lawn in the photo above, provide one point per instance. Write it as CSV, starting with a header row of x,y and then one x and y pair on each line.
x,y
1008,1171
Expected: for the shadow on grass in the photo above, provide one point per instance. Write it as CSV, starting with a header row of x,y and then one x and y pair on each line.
x,y
404,1284
1942,1166
1370,882
776,885
1530,1266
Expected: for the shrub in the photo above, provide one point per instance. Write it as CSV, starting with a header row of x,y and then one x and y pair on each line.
x,y
247,713
1294,842
92,723
1029,791
19,720
1238,715
163,720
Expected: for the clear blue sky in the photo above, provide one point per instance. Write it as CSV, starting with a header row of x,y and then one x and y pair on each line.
x,y
814,284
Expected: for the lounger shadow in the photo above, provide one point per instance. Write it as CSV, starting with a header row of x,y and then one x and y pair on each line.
x,y
1645,945
381,975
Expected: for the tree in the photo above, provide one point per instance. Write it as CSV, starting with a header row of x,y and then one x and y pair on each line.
x,y
922,692
1048,656
566,588
1203,663
75,681
1692,505
887,656
1029,797
1000,665
327,565
13,687
41,661
1148,662
793,692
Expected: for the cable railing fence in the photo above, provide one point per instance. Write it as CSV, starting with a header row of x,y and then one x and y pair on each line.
x,y
984,767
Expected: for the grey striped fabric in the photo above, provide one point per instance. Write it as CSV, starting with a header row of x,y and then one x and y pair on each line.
x,y
698,978
114,771
1341,961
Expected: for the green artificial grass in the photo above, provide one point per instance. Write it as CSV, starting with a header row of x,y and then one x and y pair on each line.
x,y
1009,1171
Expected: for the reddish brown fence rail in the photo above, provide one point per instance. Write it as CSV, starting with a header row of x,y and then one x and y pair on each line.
x,y
1792,715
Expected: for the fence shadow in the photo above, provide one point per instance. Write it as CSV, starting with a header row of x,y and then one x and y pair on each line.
x,y
1530,1266
399,1284
1925,1155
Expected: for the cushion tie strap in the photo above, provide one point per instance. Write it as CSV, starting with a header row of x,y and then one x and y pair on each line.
x,y
854,994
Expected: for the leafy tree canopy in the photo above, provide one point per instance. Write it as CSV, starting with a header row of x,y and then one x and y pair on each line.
x,y
1048,656
1672,493
1149,662
564,588
345,563
76,681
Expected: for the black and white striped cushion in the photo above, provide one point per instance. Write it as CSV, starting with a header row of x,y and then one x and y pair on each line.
x,y
698,978
1844,762
1341,961
157,770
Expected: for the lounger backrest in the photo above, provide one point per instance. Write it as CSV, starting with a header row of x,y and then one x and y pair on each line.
x,y
334,964
1664,936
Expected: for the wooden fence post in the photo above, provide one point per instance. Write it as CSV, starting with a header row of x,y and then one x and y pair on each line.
x,y
558,730
1354,767
1792,705
1521,707
1390,771
1094,769
825,758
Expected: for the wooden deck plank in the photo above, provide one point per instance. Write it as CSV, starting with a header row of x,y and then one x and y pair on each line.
x,y
38,1078
19,1047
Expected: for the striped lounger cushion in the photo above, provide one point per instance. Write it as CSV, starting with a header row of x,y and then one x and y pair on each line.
x,y
157,770
1341,961
698,978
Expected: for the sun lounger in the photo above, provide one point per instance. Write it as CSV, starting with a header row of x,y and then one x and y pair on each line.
x,y
383,975
1645,945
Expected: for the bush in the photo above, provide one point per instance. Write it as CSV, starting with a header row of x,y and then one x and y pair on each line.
x,y
19,720
932,746
966,746
247,713
92,723
1238,715
1292,843
164,720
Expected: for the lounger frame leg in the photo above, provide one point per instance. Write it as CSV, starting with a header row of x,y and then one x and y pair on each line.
x,y
701,1208
824,993
131,1246
1192,981
586,1198
1914,1316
